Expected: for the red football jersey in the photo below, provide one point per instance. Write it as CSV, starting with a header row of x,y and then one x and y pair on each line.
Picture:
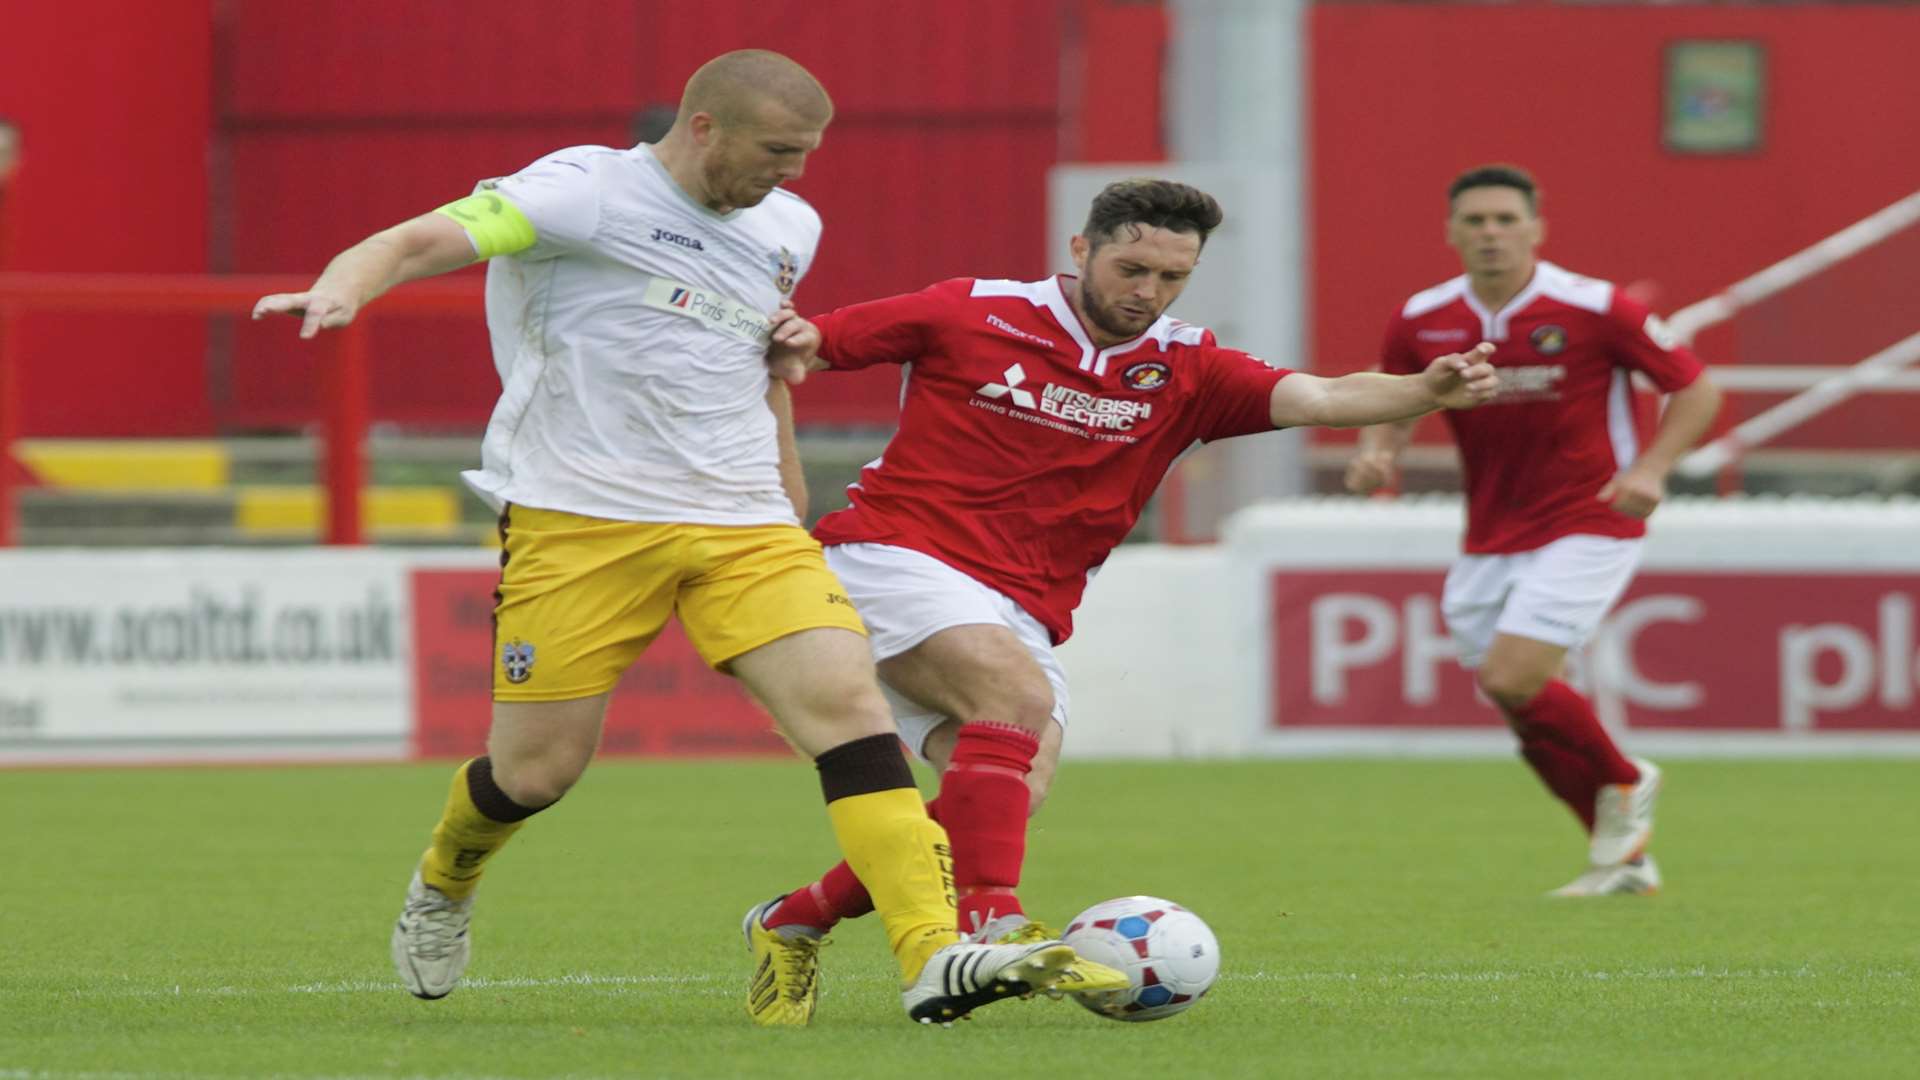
x,y
1025,453
1566,417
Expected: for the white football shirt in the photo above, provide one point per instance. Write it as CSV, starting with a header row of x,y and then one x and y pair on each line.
x,y
631,342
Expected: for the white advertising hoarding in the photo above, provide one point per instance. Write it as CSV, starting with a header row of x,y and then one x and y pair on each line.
x,y
158,649
1758,627
1754,627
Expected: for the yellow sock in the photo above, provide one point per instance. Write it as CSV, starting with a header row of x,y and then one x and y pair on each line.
x,y
902,857
466,838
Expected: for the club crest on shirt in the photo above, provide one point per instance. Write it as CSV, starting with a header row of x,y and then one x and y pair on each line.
x,y
516,660
786,271
1146,375
1548,339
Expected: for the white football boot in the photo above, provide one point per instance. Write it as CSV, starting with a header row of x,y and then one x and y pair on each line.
x,y
965,975
1623,817
1639,877
1083,976
430,944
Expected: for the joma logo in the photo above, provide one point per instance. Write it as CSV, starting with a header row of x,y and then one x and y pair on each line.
x,y
662,236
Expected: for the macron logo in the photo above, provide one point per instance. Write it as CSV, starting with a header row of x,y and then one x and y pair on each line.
x,y
1004,326
1014,375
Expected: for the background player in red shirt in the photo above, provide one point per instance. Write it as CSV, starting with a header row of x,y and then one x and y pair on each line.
x,y
1560,480
1036,419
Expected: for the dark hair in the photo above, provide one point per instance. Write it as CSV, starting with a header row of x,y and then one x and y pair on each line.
x,y
1160,204
1509,176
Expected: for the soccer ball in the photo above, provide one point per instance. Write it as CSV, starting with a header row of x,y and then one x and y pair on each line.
x,y
1167,951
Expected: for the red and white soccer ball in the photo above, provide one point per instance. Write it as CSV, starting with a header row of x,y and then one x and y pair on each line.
x,y
1170,955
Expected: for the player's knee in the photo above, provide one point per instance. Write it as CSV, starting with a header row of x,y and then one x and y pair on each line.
x,y
536,784
1026,703
1510,687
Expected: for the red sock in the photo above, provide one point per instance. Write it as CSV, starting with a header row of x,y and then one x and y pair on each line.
x,y
983,804
1558,713
1564,772
837,895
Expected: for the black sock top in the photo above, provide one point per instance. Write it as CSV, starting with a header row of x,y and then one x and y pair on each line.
x,y
487,796
863,766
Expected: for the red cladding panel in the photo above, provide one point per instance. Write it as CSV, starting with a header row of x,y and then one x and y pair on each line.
x,y
1113,109
1403,97
935,166
352,60
105,186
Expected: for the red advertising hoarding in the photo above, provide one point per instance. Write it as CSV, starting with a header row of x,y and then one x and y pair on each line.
x,y
1799,652
669,704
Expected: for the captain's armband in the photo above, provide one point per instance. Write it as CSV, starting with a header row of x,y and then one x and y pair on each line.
x,y
496,226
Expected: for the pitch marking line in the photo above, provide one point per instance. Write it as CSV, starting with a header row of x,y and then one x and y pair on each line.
x,y
707,984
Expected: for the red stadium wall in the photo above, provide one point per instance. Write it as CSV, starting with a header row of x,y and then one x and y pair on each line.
x,y
329,122
948,118
1405,96
113,108
253,136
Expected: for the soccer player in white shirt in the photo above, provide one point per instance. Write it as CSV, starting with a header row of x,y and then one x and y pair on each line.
x,y
634,460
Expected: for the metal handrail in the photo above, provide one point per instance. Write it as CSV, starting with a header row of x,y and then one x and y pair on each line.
x,y
347,394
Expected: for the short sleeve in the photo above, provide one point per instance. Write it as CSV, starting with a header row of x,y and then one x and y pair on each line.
x,y
1237,395
1643,342
560,196
1397,355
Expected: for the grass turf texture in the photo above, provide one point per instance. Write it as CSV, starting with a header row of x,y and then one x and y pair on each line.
x,y
1377,918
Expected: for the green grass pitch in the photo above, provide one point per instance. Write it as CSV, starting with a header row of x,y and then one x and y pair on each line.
x,y
1376,918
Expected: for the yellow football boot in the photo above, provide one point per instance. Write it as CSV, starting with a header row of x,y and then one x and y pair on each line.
x,y
786,971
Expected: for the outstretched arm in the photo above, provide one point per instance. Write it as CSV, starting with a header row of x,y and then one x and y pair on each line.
x,y
421,247
1454,381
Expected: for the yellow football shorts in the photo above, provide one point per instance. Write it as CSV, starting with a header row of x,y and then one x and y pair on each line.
x,y
581,597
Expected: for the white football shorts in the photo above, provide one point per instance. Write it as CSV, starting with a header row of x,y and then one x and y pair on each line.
x,y
906,597
1557,594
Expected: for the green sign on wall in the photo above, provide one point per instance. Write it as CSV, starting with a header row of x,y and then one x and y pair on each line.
x,y
1715,96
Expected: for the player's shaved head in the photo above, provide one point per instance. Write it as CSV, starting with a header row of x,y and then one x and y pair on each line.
x,y
735,87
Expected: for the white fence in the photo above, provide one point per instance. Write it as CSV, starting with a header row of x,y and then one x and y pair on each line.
x,y
1756,626
1761,626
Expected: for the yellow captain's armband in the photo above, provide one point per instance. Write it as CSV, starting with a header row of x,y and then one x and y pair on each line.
x,y
496,226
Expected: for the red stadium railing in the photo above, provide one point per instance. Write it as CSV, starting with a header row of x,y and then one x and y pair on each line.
x,y
345,428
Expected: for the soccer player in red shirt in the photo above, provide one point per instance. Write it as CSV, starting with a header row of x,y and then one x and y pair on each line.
x,y
1560,477
1036,419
